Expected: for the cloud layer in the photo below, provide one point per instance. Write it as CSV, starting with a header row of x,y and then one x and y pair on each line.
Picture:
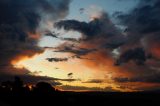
x,y
132,52
20,21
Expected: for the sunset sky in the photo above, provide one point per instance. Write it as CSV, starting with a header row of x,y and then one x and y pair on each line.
x,y
82,45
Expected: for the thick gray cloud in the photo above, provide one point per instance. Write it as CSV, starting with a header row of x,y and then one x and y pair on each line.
x,y
143,21
142,31
100,33
137,44
137,55
153,78
19,23
142,44
98,27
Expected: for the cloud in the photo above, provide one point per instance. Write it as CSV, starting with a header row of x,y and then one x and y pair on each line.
x,y
81,10
135,40
141,47
94,81
74,50
32,79
55,83
98,34
20,25
72,40
35,73
78,53
56,35
69,80
136,55
83,27
142,22
70,75
153,77
113,45
95,27
83,88
57,59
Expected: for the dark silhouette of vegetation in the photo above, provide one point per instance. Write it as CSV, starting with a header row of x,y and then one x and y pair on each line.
x,y
16,93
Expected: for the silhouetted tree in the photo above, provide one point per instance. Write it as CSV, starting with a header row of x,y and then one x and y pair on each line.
x,y
17,85
6,87
18,82
44,88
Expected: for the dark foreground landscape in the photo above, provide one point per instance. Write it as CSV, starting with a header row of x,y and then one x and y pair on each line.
x,y
43,94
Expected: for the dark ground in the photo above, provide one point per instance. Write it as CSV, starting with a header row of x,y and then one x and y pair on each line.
x,y
81,98
43,94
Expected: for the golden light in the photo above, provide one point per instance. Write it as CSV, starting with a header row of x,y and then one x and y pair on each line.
x,y
82,69
17,62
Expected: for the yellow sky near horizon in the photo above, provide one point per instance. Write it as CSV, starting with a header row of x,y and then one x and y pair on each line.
x,y
39,65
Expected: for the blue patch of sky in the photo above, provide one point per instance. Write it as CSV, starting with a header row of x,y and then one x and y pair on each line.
x,y
110,6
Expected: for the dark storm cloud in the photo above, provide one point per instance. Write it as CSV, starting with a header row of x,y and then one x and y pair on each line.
x,y
113,45
83,27
142,30
55,9
143,20
135,43
19,22
136,55
97,27
98,34
149,78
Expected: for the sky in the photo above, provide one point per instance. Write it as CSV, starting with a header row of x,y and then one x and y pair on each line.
x,y
82,45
